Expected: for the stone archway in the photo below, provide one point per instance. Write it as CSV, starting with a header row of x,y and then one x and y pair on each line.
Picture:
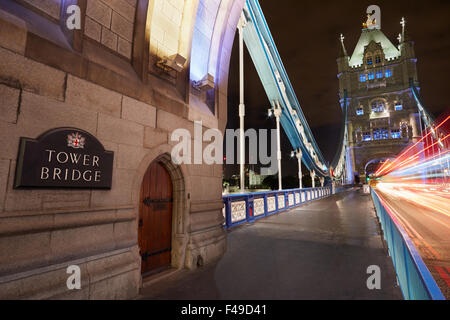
x,y
178,210
373,164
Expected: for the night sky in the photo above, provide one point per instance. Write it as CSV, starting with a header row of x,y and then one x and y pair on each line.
x,y
306,34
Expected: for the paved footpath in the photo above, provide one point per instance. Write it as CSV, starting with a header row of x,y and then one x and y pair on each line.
x,y
320,250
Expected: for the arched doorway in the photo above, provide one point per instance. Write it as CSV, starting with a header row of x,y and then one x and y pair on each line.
x,y
155,219
372,166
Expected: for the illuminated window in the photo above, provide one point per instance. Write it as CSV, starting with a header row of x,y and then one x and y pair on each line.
x,y
360,111
367,136
380,133
377,59
378,106
376,134
379,74
395,134
388,73
398,106
371,76
369,61
362,77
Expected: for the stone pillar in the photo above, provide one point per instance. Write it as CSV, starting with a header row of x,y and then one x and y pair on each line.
x,y
322,181
299,157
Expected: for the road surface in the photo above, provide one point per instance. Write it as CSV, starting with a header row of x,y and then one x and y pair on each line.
x,y
320,250
429,229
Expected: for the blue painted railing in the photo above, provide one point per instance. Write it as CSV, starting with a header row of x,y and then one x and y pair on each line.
x,y
248,207
416,281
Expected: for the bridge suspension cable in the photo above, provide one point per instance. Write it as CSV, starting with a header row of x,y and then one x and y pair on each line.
x,y
338,166
276,83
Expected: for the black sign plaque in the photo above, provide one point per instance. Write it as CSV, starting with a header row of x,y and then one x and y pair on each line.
x,y
64,158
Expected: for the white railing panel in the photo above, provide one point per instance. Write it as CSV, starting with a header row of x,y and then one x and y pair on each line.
x,y
258,205
271,206
281,201
291,199
238,211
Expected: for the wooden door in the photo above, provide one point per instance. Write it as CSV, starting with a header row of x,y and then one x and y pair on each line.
x,y
155,219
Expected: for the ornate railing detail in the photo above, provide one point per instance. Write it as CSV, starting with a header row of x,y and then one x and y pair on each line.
x,y
291,199
247,207
238,211
258,204
271,204
281,201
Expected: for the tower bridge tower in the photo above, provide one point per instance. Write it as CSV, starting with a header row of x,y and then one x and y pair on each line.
x,y
383,117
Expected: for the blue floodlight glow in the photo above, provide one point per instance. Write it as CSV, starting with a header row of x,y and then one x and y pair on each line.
x,y
201,44
388,73
395,134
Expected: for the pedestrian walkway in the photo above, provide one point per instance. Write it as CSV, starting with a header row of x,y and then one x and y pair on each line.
x,y
320,250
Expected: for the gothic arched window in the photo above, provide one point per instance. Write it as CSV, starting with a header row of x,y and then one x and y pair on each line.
x,y
379,74
360,111
378,106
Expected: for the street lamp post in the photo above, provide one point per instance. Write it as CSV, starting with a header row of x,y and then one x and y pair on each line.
x,y
313,176
241,26
299,158
277,112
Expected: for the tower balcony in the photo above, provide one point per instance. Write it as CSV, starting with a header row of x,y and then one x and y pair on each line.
x,y
379,115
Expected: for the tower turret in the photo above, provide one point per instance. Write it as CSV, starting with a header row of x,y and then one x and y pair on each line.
x,y
382,115
342,61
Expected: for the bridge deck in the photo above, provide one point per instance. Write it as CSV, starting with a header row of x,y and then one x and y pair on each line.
x,y
320,250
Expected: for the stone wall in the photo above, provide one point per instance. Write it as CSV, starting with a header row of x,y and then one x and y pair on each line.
x,y
49,7
111,23
166,27
44,85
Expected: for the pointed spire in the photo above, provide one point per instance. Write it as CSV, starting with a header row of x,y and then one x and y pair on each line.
x,y
403,23
341,38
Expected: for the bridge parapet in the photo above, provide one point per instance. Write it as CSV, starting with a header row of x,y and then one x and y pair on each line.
x,y
248,207
414,278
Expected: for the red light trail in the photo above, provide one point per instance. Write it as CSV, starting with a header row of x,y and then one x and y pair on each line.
x,y
383,170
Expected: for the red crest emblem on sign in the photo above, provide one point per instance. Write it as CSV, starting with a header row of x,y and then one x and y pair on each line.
x,y
76,141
